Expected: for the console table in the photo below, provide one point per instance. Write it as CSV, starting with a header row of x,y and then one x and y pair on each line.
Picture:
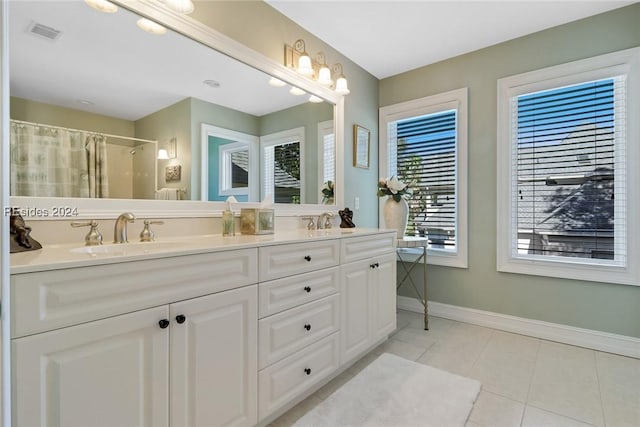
x,y
414,243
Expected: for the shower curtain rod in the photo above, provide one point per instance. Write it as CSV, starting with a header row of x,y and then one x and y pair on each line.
x,y
88,131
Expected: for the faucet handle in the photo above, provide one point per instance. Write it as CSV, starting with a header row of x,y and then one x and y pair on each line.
x,y
310,225
93,237
146,235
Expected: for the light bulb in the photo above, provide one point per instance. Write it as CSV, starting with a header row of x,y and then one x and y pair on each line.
x,y
324,76
315,99
276,82
180,6
163,154
304,65
150,26
341,86
102,5
296,91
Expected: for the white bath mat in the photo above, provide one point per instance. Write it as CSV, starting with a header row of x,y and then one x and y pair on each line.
x,y
395,392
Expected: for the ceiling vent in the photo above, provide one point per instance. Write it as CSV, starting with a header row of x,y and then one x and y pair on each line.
x,y
44,31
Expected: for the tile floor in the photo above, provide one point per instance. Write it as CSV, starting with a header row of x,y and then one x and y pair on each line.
x,y
526,381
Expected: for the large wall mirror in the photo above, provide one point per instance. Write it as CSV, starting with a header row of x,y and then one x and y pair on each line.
x,y
101,109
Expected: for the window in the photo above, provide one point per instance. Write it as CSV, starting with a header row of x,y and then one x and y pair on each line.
x,y
233,169
326,155
283,165
425,142
565,170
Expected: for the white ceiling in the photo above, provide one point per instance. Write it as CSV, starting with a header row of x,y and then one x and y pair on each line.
x,y
390,37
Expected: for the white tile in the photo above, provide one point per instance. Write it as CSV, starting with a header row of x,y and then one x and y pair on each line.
x,y
458,350
565,382
535,417
417,337
506,365
619,378
491,410
401,348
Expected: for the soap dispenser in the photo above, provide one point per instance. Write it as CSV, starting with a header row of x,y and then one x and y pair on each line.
x,y
228,222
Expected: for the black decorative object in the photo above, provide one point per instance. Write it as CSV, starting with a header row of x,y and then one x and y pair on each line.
x,y
347,218
19,238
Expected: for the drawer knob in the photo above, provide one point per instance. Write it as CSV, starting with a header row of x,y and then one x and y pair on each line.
x,y
377,265
307,371
307,288
372,266
307,327
180,318
307,257
164,323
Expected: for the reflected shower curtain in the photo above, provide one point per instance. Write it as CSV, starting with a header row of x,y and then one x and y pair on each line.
x,y
47,162
96,147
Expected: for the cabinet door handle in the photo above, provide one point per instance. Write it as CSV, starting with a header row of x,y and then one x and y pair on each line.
x,y
372,266
164,323
180,318
307,288
377,265
307,327
307,257
307,371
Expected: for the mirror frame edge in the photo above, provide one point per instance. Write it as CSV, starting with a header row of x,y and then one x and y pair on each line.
x,y
199,32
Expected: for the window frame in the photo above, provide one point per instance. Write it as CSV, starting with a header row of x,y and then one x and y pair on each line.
x,y
626,62
225,170
455,99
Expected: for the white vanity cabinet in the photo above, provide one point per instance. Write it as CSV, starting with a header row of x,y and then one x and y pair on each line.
x,y
190,362
298,332
367,293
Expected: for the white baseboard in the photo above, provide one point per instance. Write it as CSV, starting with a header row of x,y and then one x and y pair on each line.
x,y
596,340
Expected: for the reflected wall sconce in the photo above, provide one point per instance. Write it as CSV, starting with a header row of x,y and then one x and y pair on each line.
x,y
297,58
169,151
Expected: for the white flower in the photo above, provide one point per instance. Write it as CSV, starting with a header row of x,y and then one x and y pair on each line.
x,y
394,185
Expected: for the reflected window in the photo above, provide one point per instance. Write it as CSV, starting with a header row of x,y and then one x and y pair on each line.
x,y
234,169
282,157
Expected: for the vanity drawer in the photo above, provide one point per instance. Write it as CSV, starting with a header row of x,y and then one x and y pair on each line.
x,y
280,383
53,299
284,333
281,294
358,248
286,260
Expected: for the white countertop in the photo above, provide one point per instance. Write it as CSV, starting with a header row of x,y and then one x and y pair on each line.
x,y
53,257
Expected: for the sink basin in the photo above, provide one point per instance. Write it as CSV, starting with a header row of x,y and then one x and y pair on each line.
x,y
122,249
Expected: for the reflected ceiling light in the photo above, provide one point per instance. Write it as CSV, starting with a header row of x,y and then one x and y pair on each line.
x,y
304,60
102,5
180,6
315,99
276,82
296,91
212,83
341,81
84,102
150,26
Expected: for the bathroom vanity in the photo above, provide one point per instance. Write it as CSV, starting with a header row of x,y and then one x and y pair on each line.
x,y
209,331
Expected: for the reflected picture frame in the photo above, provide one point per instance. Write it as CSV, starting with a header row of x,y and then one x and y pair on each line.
x,y
361,146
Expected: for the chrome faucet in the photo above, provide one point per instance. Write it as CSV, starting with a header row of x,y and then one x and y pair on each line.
x,y
324,220
120,229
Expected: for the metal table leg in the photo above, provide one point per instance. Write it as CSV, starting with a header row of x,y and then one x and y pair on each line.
x,y
407,277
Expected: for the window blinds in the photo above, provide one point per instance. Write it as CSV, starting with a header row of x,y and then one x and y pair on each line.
x,y
569,171
426,154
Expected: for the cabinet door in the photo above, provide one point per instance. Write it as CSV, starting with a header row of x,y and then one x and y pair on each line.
x,y
355,308
384,296
214,359
112,372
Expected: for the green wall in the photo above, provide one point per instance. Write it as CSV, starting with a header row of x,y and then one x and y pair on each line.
x,y
598,306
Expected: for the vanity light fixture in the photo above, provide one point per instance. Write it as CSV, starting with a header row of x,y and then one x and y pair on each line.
x,y
170,150
151,27
102,5
296,58
341,82
315,99
180,6
296,91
